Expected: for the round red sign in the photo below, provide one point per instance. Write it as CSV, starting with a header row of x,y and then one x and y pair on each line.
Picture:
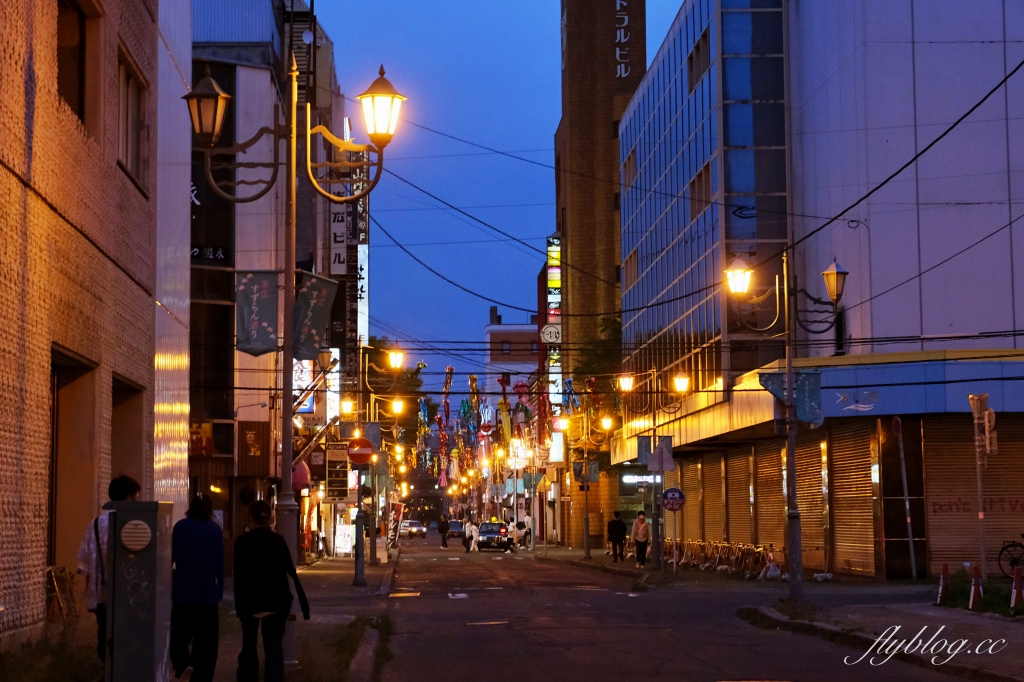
x,y
359,450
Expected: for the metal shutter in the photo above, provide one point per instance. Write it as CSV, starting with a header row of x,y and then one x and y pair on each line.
x,y
691,488
853,533
670,479
951,497
810,499
714,504
769,500
737,466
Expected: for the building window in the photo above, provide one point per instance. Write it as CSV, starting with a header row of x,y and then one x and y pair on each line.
x,y
629,169
699,61
71,56
630,271
129,151
534,347
700,191
506,347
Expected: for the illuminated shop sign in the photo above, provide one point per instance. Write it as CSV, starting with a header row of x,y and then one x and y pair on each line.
x,y
551,333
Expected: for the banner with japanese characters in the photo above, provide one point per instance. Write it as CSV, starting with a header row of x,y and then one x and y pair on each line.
x,y
256,311
312,314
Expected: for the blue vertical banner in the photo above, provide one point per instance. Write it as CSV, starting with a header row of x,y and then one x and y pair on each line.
x,y
643,449
256,309
312,314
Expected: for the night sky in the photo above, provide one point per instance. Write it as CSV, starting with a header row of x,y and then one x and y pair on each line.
x,y
487,72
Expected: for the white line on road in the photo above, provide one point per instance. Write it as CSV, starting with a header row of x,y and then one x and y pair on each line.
x,y
489,622
458,595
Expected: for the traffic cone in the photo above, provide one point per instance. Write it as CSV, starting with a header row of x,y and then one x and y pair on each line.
x,y
976,592
1017,594
943,585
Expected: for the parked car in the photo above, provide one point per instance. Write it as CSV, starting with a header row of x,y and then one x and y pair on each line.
x,y
433,525
456,529
412,529
494,536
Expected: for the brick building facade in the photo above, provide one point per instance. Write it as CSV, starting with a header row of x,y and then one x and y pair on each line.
x,y
78,277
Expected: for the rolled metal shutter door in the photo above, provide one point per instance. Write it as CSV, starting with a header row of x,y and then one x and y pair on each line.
x,y
737,466
714,512
769,500
809,498
853,533
690,470
951,493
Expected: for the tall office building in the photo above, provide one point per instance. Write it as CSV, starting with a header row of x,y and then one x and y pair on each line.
x,y
766,124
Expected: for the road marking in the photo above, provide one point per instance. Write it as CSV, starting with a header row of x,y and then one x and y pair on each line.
x,y
458,595
489,622
498,558
453,558
394,595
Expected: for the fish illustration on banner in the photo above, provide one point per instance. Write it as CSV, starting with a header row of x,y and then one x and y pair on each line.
x,y
256,311
312,314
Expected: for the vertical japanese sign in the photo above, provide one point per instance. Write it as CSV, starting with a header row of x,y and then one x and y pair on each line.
x,y
551,333
342,233
394,523
256,311
622,34
312,314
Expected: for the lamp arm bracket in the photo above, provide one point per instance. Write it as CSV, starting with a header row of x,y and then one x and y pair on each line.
x,y
806,326
208,153
815,299
343,145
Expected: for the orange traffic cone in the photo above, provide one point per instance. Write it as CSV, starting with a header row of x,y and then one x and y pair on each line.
x,y
976,592
1017,594
943,585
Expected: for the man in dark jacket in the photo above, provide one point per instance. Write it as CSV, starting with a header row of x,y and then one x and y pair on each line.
x,y
442,528
197,558
617,536
262,566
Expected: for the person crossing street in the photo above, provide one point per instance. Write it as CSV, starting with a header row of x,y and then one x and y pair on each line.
x,y
442,528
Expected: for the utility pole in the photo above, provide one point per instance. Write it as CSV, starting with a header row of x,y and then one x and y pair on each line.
x,y
794,552
984,444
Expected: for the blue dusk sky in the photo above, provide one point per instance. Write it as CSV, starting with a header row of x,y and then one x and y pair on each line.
x,y
483,71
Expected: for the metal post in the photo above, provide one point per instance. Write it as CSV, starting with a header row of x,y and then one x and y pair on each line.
x,y
675,541
287,509
360,555
898,428
794,554
656,548
586,490
979,403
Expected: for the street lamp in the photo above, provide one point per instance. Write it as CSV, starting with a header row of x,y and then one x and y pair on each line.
x,y
655,400
207,104
381,104
398,406
606,423
835,280
396,359
348,405
585,438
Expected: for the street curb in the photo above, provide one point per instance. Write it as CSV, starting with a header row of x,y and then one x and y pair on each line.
x,y
628,573
768,618
361,668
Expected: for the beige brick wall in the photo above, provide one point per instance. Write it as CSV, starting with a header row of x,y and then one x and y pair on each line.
x,y
76,269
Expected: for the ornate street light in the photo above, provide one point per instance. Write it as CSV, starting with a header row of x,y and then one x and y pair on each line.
x,y
626,382
606,423
835,279
207,103
681,383
381,104
398,406
738,276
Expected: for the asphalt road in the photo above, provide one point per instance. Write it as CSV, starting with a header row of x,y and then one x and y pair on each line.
x,y
492,617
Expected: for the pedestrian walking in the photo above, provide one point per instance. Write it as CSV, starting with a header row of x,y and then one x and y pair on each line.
x,y
617,536
474,535
262,599
442,528
641,536
197,586
528,529
92,557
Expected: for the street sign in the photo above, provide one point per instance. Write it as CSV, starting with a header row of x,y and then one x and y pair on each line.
x,y
673,499
359,450
551,333
662,460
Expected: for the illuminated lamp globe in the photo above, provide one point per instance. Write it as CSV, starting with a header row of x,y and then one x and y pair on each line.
x,y
835,280
626,382
606,423
398,406
396,359
381,104
681,383
738,276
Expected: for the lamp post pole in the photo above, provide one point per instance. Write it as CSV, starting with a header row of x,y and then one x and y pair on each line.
x,y
656,548
287,508
794,553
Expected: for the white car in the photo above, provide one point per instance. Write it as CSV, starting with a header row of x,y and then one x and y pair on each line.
x,y
412,529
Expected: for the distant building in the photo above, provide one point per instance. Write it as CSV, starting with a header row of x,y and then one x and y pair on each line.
x,y
512,349
738,144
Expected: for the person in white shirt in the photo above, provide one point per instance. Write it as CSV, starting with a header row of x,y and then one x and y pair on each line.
x,y
92,556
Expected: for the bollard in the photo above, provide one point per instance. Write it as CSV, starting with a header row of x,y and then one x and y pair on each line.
x,y
943,585
360,577
976,591
1017,593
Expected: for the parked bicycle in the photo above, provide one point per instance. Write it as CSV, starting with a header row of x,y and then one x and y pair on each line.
x,y
1011,556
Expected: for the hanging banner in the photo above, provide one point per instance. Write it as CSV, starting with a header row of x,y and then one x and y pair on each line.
x,y
394,524
312,314
256,311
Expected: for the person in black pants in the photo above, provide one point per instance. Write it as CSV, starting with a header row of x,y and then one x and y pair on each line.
x,y
262,566
197,558
617,536
442,528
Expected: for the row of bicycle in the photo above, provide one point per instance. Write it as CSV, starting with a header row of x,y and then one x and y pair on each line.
x,y
714,555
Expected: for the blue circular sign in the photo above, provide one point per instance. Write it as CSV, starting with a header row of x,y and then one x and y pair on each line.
x,y
673,499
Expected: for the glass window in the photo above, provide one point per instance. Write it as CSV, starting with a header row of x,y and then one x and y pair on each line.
x,y
760,78
739,125
71,55
739,170
129,121
751,4
752,33
736,29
